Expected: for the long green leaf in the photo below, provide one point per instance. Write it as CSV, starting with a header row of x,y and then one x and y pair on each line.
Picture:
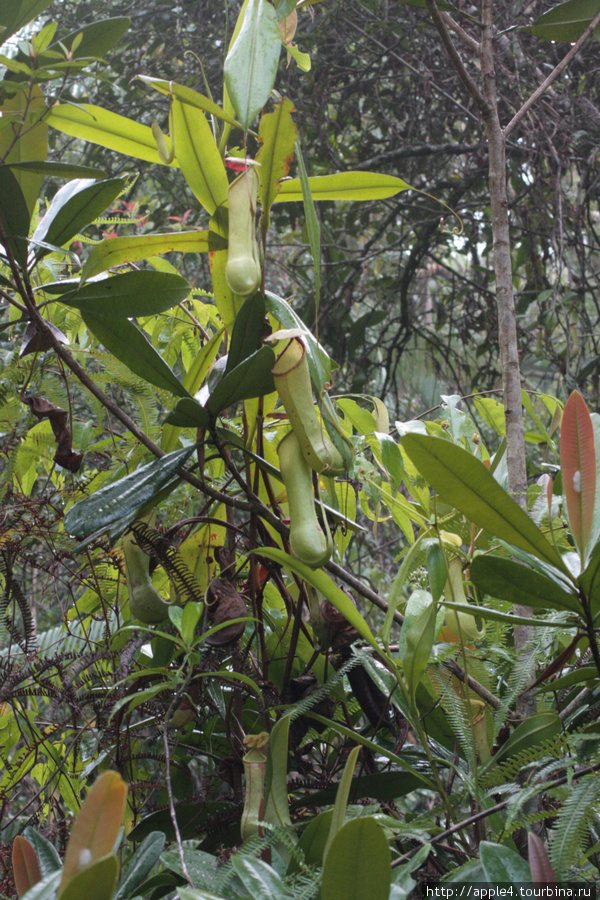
x,y
417,638
115,251
73,207
578,459
15,14
565,22
509,580
277,135
44,889
95,39
323,583
131,294
14,216
466,484
100,126
252,378
358,865
198,156
501,864
247,331
121,498
57,169
189,96
277,810
97,880
344,186
539,727
27,112
251,63
313,227
341,800
125,341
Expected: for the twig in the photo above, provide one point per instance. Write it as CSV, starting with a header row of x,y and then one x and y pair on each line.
x,y
455,57
562,65
460,31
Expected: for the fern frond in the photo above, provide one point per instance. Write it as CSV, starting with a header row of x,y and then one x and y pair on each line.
x,y
569,836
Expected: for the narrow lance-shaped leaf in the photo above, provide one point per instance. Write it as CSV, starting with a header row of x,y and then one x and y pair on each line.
x,y
578,458
344,186
14,217
115,251
313,227
100,126
277,135
125,496
463,481
187,95
131,294
251,64
417,638
198,156
26,111
73,207
358,865
509,580
566,21
125,341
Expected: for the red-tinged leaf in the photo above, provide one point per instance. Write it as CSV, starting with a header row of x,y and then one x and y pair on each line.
x,y
96,827
541,870
26,870
578,456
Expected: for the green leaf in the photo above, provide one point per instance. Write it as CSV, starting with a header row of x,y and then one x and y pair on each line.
x,y
47,854
189,96
14,216
486,613
501,864
277,811
25,138
508,580
57,169
463,481
96,39
391,459
73,207
115,251
124,497
188,413
252,60
144,859
578,459
277,136
344,186
417,637
539,727
565,22
202,867
198,156
323,583
313,840
358,865
252,378
341,800
99,126
15,14
138,293
125,341
97,880
313,227
195,894
247,331
590,580
259,878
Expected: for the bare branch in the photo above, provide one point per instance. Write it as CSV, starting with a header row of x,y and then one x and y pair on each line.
x,y
558,70
455,57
